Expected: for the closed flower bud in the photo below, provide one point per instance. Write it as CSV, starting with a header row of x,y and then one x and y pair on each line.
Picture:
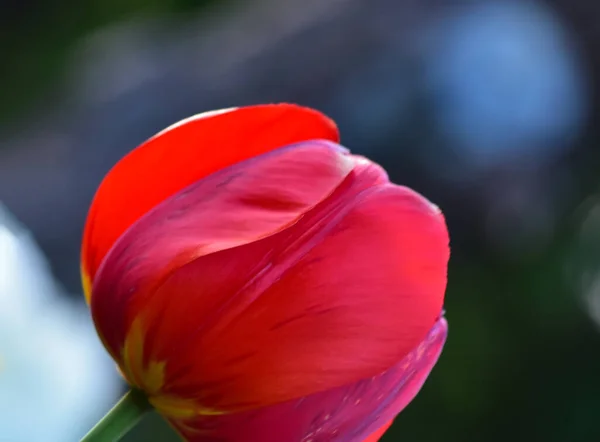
x,y
262,284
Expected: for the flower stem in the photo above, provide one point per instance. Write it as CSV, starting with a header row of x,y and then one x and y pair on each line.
x,y
120,419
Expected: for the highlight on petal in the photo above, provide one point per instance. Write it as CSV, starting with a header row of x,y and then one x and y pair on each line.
x,y
374,437
358,412
341,294
344,301
181,155
235,206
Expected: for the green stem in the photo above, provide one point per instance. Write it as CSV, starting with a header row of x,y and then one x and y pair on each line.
x,y
120,419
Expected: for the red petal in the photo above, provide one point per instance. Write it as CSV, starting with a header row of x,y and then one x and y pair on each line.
x,y
181,155
338,297
343,302
374,437
360,412
235,206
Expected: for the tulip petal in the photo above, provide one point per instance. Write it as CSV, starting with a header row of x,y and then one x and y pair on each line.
x,y
352,292
183,154
360,412
374,437
238,205
285,307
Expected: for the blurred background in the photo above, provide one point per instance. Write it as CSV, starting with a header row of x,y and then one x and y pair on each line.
x,y
489,108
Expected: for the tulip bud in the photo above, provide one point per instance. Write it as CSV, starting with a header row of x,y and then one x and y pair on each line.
x,y
260,283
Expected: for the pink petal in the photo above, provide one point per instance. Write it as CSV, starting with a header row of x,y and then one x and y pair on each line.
x,y
352,413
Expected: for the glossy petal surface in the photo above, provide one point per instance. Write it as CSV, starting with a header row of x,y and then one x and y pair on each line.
x,y
378,434
359,412
339,296
181,155
236,206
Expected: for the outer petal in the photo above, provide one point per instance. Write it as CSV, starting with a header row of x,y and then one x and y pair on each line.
x,y
360,412
374,437
235,206
181,155
343,302
340,296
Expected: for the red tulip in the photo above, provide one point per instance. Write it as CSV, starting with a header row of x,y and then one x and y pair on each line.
x,y
260,283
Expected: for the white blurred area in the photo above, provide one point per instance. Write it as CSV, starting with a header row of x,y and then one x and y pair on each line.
x,y
583,264
56,380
